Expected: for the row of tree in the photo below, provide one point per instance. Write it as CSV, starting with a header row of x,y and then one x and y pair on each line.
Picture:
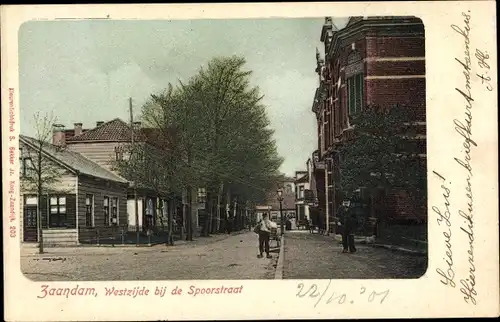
x,y
211,132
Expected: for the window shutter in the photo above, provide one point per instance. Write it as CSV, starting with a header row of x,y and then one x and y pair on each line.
x,y
359,92
70,214
351,93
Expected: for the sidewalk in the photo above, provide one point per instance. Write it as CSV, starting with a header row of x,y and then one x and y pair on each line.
x,y
406,245
314,256
32,249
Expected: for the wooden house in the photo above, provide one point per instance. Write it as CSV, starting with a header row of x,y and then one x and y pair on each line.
x,y
106,144
80,199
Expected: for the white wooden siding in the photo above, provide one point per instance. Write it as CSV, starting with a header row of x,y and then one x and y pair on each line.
x,y
102,153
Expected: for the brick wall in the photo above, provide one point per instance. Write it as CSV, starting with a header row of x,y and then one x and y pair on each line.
x,y
396,42
381,92
389,92
401,208
382,68
395,46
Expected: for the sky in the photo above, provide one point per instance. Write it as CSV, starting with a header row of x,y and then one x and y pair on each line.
x,y
85,71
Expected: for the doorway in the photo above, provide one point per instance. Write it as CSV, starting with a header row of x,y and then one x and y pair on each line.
x,y
30,233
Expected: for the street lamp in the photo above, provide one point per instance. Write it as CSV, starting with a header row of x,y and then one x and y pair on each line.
x,y
280,199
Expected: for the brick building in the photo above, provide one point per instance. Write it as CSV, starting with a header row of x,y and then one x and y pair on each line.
x,y
371,61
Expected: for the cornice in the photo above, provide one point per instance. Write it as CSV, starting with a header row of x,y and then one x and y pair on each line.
x,y
386,27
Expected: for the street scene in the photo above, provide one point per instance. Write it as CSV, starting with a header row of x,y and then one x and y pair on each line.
x,y
306,256
223,149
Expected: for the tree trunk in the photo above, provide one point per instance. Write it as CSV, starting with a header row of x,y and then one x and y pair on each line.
x,y
228,209
189,225
208,215
235,214
219,200
159,216
183,221
171,207
213,208
189,219
40,205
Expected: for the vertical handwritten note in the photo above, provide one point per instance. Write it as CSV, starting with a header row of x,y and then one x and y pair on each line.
x,y
474,65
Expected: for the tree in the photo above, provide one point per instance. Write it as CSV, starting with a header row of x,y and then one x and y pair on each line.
x,y
222,136
40,172
384,153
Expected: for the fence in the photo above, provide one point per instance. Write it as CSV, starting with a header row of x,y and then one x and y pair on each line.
x,y
124,235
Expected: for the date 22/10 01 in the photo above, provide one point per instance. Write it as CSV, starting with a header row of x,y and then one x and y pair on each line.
x,y
314,292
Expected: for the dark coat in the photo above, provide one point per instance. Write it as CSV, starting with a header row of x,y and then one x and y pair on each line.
x,y
348,218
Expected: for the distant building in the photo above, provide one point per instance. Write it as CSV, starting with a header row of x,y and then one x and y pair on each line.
x,y
271,205
301,202
372,61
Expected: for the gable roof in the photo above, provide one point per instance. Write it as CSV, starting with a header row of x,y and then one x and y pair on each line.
x,y
73,160
303,178
115,130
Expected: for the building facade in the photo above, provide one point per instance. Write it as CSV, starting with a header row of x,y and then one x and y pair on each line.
x,y
372,61
301,202
80,201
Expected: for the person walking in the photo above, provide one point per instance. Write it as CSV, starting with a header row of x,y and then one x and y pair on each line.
x,y
263,229
348,221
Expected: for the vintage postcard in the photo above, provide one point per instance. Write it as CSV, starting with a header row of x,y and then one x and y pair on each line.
x,y
250,161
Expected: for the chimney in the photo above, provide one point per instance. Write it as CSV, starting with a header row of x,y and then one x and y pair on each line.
x,y
99,123
137,125
78,129
58,135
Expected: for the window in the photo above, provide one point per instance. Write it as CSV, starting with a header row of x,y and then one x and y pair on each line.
x,y
58,216
301,192
202,195
89,211
355,93
114,211
27,168
342,119
118,153
106,211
